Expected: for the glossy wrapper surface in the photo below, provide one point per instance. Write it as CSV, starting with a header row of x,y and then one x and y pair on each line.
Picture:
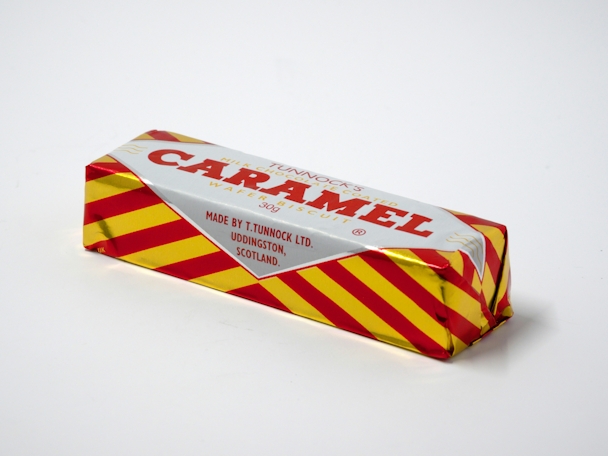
x,y
412,275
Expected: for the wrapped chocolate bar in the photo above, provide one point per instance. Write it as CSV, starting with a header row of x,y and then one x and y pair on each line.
x,y
393,269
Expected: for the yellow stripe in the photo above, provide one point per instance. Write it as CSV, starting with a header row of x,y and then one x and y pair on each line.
x,y
503,282
459,345
406,256
455,259
464,304
476,283
111,185
292,300
105,159
488,287
401,302
186,139
144,136
507,312
173,252
355,308
128,223
494,235
229,279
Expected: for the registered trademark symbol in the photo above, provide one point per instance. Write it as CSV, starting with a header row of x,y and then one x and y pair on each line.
x,y
359,231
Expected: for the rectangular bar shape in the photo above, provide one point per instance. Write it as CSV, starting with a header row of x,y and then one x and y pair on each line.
x,y
389,268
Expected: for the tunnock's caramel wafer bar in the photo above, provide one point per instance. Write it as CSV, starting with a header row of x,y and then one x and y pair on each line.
x,y
386,267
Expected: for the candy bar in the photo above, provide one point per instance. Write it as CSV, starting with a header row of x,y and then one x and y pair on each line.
x,y
389,268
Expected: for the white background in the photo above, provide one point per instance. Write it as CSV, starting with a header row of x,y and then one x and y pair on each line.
x,y
498,109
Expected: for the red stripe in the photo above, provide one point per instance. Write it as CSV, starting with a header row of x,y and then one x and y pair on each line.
x,y
461,327
384,310
200,266
258,293
323,304
432,258
458,325
120,204
162,136
148,238
472,220
98,170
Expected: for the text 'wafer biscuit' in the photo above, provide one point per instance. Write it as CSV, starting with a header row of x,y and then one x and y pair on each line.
x,y
386,267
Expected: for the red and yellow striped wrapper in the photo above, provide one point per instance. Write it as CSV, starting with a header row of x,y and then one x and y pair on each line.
x,y
429,301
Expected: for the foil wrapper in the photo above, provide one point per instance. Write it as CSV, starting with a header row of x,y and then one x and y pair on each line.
x,y
417,276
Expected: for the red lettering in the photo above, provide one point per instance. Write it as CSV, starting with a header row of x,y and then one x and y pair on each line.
x,y
332,201
295,190
248,178
380,212
415,222
210,168
158,156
